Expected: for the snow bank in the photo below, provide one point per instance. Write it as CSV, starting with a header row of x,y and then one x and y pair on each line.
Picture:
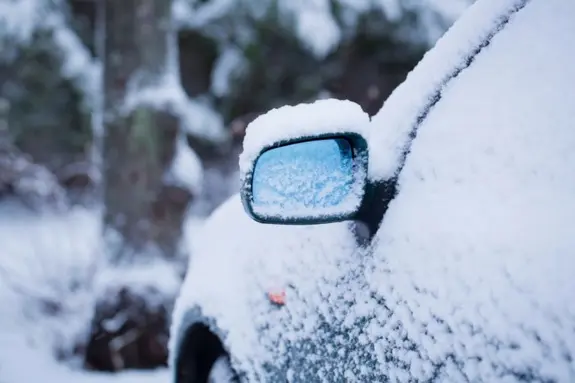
x,y
51,273
47,265
23,364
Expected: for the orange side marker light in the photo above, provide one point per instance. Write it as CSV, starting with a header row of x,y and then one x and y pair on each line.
x,y
277,297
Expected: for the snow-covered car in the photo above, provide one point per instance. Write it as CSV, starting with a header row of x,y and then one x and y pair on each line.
x,y
243,266
465,180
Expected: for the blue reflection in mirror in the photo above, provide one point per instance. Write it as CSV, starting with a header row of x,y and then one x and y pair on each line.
x,y
310,175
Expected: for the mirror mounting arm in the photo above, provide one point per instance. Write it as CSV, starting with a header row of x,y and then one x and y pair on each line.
x,y
375,204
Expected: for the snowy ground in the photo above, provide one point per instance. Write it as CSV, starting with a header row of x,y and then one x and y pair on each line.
x,y
45,369
47,289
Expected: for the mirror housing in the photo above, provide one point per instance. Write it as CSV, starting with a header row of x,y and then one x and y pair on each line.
x,y
308,180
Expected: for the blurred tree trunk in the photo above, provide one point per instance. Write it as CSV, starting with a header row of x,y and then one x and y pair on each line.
x,y
139,145
143,216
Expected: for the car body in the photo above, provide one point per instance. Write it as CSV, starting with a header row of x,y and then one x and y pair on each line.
x,y
468,275
245,262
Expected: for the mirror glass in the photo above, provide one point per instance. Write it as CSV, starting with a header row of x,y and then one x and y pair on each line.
x,y
305,178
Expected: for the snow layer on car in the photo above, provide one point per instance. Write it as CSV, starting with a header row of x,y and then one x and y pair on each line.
x,y
237,261
474,259
291,122
395,122
472,270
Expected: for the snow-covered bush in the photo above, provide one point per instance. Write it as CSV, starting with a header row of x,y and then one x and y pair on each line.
x,y
47,267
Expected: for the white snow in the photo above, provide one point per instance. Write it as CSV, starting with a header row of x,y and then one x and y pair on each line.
x,y
475,256
165,282
24,365
229,64
190,14
47,266
237,261
186,169
346,206
315,25
221,372
311,178
51,271
471,275
198,118
19,18
78,64
291,122
23,362
317,29
394,122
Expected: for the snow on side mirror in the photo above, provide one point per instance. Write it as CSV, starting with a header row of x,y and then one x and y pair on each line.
x,y
308,180
306,164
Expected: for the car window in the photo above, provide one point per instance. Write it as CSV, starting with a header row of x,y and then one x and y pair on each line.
x,y
475,258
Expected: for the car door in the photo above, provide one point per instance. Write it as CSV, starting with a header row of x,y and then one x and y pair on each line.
x,y
473,265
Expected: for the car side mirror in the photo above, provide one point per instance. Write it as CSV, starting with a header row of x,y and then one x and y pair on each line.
x,y
308,180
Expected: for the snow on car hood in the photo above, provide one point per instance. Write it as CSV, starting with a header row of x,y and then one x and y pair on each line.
x,y
236,261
